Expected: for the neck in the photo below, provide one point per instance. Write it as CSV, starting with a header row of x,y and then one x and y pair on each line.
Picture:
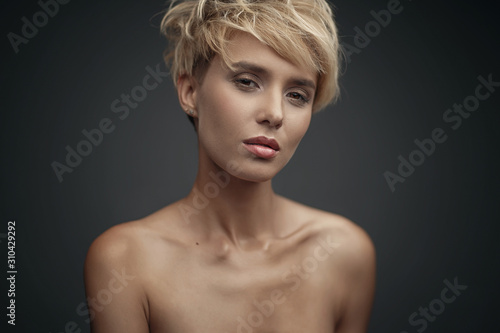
x,y
241,210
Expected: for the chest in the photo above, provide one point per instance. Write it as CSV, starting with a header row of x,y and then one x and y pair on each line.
x,y
285,296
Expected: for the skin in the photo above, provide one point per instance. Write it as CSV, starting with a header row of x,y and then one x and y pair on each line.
x,y
233,256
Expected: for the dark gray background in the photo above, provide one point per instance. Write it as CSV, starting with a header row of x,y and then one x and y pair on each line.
x,y
440,224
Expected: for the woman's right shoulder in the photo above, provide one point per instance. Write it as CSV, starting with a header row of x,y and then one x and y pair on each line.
x,y
115,245
135,239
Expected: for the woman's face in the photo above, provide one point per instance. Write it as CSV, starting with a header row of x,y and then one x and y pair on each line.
x,y
255,114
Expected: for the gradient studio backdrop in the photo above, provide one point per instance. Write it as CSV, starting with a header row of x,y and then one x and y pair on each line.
x,y
441,223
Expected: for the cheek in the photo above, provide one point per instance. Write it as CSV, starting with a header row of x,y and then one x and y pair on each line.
x,y
221,118
298,128
222,113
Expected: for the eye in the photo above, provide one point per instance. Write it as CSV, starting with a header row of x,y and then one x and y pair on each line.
x,y
245,83
296,95
298,98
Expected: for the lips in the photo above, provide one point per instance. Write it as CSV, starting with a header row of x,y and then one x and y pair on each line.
x,y
262,147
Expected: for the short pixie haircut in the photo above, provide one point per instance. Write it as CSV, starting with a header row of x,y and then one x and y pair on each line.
x,y
301,31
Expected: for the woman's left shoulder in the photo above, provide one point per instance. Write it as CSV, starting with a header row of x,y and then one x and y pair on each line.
x,y
355,249
351,239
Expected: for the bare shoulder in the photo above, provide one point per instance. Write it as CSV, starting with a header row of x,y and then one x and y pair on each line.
x,y
117,268
115,245
354,241
113,255
354,247
133,242
353,266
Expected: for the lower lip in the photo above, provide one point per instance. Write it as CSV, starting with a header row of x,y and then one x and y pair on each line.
x,y
261,151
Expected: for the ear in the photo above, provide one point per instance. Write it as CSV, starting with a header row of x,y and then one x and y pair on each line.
x,y
186,91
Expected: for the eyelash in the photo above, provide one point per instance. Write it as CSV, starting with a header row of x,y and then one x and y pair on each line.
x,y
241,83
300,99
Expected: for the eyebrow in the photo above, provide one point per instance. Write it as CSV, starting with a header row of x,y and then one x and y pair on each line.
x,y
261,70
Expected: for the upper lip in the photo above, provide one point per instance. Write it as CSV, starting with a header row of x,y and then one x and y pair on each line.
x,y
263,140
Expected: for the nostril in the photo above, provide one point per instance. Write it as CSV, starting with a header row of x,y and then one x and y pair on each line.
x,y
270,115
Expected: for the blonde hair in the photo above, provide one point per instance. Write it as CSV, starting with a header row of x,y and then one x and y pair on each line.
x,y
301,31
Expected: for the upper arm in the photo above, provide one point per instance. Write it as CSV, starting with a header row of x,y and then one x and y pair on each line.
x,y
112,283
359,282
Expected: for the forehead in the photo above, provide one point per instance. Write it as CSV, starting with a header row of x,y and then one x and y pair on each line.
x,y
243,48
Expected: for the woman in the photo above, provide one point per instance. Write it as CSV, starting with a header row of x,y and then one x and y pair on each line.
x,y
233,256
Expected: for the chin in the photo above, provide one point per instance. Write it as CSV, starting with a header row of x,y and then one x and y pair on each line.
x,y
257,171
255,177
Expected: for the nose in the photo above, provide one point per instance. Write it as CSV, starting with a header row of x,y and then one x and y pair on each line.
x,y
271,110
